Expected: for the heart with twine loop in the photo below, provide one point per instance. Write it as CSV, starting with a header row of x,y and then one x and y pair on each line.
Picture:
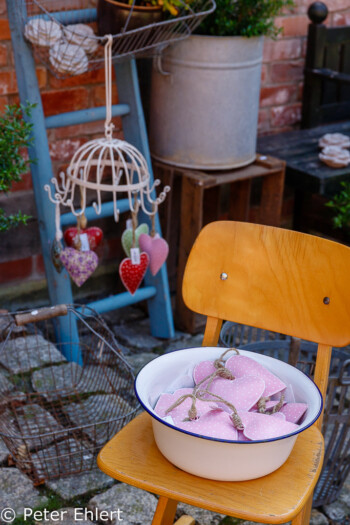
x,y
157,250
94,235
79,265
127,237
132,274
237,406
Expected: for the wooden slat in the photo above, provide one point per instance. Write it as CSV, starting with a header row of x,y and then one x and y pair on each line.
x,y
185,520
133,457
277,280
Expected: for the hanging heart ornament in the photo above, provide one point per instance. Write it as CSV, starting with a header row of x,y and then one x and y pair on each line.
x,y
127,237
132,274
157,250
79,265
94,234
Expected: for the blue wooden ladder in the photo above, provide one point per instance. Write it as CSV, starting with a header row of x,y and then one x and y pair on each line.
x,y
156,289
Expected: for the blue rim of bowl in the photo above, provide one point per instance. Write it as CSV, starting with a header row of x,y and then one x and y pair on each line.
x,y
209,438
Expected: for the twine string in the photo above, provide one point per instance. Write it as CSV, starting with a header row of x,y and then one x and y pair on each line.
x,y
108,83
134,213
153,221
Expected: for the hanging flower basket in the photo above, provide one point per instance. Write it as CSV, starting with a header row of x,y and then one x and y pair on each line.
x,y
70,41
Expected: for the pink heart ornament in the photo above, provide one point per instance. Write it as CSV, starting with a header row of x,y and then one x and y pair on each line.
x,y
180,412
215,423
157,250
294,411
261,426
243,393
203,370
241,366
79,265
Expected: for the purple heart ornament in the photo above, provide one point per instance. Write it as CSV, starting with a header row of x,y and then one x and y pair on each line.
x,y
79,265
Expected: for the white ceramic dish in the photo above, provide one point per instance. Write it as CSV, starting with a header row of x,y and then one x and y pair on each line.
x,y
214,458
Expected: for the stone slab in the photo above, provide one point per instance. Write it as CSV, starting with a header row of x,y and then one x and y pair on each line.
x,y
202,516
24,354
63,458
95,411
138,361
135,505
137,336
34,422
66,516
69,379
17,491
4,451
80,484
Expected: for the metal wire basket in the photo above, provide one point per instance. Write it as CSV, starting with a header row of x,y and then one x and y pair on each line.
x,y
336,421
65,390
66,48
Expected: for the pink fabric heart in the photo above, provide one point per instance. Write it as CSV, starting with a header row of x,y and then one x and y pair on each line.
x,y
157,250
215,423
243,393
268,405
179,413
294,411
203,370
279,415
79,265
261,426
241,365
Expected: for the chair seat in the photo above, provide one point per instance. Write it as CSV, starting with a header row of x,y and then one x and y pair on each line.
x,y
132,456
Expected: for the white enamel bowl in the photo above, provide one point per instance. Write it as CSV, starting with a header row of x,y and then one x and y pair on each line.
x,y
214,458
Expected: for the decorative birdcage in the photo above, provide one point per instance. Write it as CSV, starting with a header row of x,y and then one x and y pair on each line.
x,y
126,166
64,33
62,395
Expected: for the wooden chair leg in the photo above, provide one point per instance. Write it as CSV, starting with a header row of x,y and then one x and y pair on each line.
x,y
303,518
165,511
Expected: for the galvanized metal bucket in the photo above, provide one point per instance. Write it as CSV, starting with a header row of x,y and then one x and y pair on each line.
x,y
205,102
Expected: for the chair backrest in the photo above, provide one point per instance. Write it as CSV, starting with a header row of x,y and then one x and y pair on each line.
x,y
271,278
279,280
326,95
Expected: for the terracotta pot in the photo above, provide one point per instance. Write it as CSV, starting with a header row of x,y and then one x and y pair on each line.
x,y
112,16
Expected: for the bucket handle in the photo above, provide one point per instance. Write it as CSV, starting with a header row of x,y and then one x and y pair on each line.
x,y
41,314
159,65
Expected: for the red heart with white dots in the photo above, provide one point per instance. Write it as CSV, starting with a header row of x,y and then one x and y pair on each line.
x,y
95,236
132,274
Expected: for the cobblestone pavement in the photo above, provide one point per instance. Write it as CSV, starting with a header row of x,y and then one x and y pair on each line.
x,y
92,497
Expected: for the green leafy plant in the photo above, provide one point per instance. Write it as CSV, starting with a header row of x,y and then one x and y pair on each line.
x,y
244,18
341,205
15,134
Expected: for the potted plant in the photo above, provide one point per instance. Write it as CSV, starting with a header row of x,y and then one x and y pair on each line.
x,y
205,96
341,205
15,135
114,16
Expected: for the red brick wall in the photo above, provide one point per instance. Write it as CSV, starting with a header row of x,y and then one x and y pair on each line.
x,y
280,110
282,73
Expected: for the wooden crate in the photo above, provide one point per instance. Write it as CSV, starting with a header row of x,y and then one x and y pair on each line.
x,y
196,198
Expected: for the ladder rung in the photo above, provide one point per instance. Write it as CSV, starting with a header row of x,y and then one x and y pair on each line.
x,y
122,299
85,115
107,210
74,16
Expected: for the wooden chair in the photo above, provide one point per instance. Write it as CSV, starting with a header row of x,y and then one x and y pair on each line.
x,y
276,279
326,94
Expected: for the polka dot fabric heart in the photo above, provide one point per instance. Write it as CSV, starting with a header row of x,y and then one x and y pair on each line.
x,y
236,406
132,274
